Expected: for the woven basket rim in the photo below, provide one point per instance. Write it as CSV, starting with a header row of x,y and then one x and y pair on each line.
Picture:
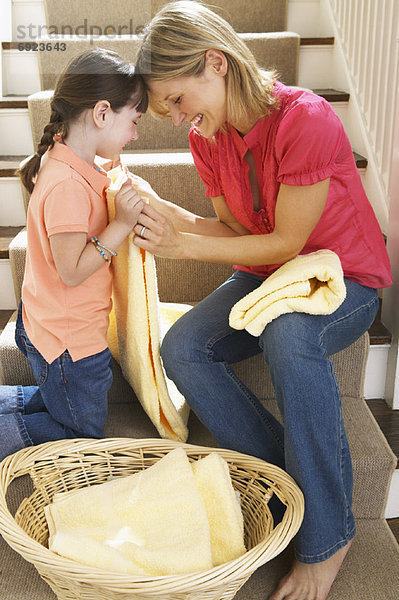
x,y
22,461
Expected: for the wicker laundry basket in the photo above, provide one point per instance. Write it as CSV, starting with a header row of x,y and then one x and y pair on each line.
x,y
71,464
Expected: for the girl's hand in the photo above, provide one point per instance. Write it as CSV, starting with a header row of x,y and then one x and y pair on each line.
x,y
128,205
159,236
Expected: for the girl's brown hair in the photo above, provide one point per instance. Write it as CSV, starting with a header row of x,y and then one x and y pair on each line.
x,y
175,43
95,75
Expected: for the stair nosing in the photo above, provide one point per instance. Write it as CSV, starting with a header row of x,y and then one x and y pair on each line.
x,y
318,41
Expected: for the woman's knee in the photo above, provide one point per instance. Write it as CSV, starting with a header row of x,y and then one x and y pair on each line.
x,y
288,337
182,342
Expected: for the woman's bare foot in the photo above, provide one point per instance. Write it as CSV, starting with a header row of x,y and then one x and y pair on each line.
x,y
310,581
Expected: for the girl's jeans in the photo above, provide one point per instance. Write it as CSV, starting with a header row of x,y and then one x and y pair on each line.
x,y
312,447
70,399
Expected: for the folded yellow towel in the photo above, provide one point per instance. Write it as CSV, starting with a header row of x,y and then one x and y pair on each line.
x,y
134,335
311,283
222,507
155,520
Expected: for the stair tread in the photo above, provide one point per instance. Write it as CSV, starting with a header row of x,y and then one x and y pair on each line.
x,y
317,41
333,95
361,161
9,164
13,102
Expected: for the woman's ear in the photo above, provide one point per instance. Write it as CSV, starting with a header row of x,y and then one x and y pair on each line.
x,y
217,61
100,112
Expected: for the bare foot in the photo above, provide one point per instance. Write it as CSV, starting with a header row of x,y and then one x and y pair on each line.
x,y
310,581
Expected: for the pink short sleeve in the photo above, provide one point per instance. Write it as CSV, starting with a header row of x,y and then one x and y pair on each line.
x,y
205,164
308,141
67,208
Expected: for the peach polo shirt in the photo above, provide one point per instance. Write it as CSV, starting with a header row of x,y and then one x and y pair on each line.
x,y
68,197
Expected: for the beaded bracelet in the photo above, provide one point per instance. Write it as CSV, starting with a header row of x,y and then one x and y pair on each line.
x,y
100,250
97,241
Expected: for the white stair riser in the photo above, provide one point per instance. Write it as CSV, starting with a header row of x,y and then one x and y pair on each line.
x,y
315,67
12,211
376,369
7,296
15,132
20,73
392,509
304,17
28,17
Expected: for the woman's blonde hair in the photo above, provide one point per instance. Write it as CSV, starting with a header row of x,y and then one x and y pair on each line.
x,y
175,43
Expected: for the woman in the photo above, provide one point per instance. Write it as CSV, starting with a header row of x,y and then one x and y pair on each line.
x,y
280,172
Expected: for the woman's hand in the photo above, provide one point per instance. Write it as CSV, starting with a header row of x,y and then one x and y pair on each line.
x,y
128,205
143,188
155,233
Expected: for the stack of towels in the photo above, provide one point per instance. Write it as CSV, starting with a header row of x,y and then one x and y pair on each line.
x,y
171,518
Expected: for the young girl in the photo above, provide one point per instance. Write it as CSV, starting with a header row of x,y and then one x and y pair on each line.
x,y
279,170
66,294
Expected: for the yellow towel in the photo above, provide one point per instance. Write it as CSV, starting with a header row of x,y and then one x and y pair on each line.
x,y
222,507
137,326
155,520
311,283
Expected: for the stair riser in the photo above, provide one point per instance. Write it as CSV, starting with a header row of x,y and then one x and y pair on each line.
x,y
376,369
21,71
304,17
7,296
15,132
12,211
315,67
392,510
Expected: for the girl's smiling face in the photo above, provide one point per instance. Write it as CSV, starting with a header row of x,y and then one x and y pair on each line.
x,y
119,129
199,99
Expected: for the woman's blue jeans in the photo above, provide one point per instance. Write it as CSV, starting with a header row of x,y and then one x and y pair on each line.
x,y
312,447
69,400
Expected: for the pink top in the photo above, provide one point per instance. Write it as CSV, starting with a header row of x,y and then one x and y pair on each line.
x,y
300,143
68,197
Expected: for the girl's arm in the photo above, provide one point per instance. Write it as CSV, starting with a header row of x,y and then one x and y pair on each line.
x,y
76,259
298,210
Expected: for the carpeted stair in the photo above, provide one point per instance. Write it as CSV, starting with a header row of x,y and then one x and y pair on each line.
x,y
371,570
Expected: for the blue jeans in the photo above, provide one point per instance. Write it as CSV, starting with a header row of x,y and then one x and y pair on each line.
x,y
69,401
312,446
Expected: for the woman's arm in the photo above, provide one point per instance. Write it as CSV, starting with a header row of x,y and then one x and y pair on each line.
x,y
76,259
183,220
298,210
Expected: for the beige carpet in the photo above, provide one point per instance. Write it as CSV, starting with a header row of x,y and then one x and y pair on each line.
x,y
95,15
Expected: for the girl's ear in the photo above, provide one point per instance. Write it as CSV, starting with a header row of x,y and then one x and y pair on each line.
x,y
217,61
100,112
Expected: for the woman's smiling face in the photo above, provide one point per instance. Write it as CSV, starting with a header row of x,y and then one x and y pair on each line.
x,y
199,99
